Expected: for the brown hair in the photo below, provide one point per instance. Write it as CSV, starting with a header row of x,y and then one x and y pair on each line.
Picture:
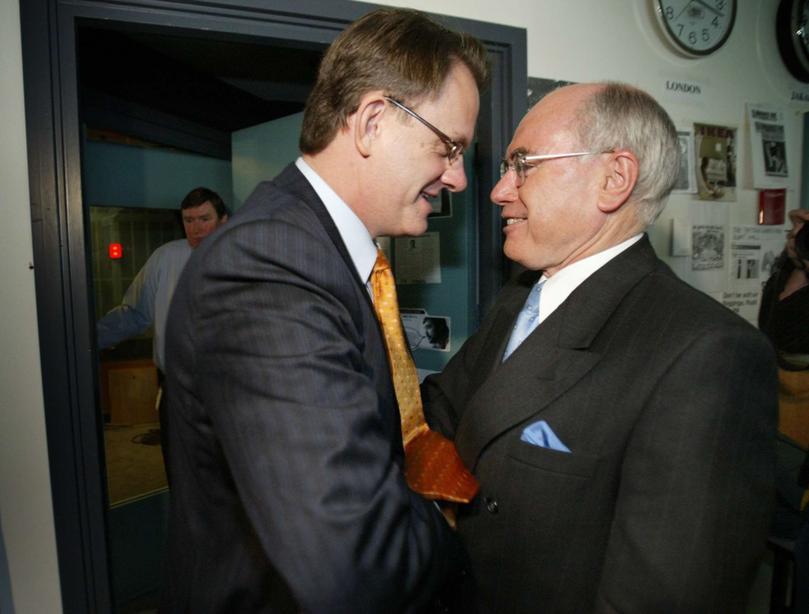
x,y
200,196
399,51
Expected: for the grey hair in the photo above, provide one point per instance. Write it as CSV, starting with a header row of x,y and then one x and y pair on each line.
x,y
620,116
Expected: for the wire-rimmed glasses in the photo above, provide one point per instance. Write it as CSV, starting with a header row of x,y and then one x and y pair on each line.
x,y
520,162
454,149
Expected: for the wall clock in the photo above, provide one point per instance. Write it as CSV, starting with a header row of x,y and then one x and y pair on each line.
x,y
696,27
792,32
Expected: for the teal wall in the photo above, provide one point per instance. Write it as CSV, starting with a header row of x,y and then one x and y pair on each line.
x,y
261,152
127,176
456,295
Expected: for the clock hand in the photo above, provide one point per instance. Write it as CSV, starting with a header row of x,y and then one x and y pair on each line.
x,y
687,4
709,7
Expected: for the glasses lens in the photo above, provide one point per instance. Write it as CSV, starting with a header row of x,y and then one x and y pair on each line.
x,y
515,164
455,152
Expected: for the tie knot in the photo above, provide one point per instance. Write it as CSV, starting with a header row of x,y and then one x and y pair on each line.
x,y
381,263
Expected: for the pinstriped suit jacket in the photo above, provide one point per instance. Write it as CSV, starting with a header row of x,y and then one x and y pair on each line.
x,y
286,453
667,401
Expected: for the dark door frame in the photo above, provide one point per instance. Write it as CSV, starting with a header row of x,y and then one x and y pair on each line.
x,y
60,229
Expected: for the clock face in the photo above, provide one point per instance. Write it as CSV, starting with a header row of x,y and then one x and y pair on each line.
x,y
697,27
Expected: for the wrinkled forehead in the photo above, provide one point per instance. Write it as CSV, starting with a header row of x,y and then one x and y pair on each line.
x,y
551,123
543,130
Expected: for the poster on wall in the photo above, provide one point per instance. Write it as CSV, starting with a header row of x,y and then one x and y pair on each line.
x,y
768,146
753,251
426,331
699,246
686,178
418,259
707,247
715,148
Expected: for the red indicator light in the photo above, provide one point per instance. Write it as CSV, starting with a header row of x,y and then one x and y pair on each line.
x,y
116,251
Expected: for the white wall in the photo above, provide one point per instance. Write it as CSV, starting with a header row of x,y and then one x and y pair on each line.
x,y
26,512
620,40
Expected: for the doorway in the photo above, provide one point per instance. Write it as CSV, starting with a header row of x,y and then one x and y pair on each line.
x,y
56,102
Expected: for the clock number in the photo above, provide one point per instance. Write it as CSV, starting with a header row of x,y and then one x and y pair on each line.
x,y
670,12
680,32
706,36
692,37
715,22
721,5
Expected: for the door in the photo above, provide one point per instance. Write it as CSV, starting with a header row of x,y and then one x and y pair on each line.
x,y
61,222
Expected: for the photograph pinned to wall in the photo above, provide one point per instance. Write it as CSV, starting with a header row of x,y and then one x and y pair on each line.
x,y
538,88
768,146
686,178
426,331
417,260
441,204
715,148
707,247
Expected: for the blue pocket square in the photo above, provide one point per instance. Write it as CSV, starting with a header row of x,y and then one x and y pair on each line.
x,y
540,434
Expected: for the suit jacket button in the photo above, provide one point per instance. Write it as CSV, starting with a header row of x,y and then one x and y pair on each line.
x,y
491,505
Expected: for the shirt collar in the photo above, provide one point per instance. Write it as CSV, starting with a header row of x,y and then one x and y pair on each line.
x,y
565,281
355,235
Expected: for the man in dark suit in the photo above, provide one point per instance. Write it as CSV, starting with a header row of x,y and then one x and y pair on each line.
x,y
620,422
289,493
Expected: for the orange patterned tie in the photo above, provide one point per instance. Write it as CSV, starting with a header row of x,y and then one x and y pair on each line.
x,y
432,465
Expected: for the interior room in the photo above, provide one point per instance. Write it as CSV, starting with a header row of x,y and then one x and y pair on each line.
x,y
137,113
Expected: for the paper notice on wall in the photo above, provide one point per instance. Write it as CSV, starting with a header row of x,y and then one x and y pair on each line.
x,y
686,179
768,146
753,250
715,148
418,259
701,242
707,247
745,303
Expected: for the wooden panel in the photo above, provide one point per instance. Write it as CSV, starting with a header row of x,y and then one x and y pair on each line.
x,y
132,393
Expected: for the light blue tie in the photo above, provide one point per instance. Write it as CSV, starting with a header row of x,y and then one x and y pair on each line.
x,y
527,320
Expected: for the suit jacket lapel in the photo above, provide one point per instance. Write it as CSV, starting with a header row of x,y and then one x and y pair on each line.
x,y
292,180
552,359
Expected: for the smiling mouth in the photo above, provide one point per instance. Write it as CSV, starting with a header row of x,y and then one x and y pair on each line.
x,y
510,221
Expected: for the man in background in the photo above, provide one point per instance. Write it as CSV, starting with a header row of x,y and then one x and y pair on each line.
x,y
146,301
289,493
619,421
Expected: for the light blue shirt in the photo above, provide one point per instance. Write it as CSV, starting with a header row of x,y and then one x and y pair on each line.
x,y
358,241
146,301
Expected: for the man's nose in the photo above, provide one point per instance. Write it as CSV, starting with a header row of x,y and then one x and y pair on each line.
x,y
455,176
505,190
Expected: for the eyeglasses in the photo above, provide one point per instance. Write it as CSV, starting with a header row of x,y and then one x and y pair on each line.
x,y
454,149
519,162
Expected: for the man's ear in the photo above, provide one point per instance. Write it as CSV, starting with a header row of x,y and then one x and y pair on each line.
x,y
619,180
366,122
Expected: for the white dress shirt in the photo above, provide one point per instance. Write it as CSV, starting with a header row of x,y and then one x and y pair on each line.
x,y
558,287
358,241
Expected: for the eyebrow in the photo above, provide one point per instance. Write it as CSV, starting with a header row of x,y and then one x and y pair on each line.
x,y
518,151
